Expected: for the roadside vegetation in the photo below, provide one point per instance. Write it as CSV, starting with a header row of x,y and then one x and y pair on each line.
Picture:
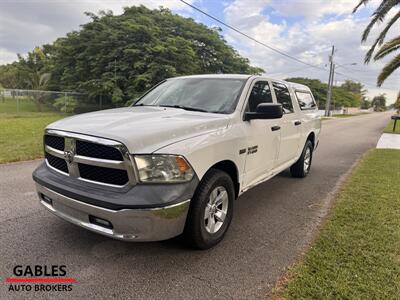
x,y
24,104
139,48
389,127
349,115
349,94
21,135
357,255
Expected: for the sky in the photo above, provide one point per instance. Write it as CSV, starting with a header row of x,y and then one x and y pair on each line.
x,y
305,29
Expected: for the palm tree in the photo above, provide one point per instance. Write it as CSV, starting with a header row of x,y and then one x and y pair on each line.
x,y
397,103
384,48
38,81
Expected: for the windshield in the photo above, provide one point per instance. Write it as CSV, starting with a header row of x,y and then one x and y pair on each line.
x,y
202,94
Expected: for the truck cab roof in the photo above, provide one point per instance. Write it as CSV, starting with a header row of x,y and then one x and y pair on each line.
x,y
295,86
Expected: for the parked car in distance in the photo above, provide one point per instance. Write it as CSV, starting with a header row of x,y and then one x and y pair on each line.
x,y
175,161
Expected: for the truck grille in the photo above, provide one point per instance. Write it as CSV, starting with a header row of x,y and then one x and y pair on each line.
x,y
105,175
57,163
56,142
98,160
97,151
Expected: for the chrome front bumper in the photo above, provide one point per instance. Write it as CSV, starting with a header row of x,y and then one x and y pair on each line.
x,y
152,224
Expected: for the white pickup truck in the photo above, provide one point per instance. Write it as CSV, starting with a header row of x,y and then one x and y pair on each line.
x,y
175,161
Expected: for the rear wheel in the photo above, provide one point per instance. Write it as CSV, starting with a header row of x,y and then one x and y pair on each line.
x,y
302,167
210,211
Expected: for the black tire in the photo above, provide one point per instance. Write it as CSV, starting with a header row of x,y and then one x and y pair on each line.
x,y
298,169
195,233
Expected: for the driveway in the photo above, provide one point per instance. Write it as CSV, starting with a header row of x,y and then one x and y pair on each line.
x,y
273,224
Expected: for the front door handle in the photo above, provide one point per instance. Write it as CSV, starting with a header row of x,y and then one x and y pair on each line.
x,y
275,128
297,123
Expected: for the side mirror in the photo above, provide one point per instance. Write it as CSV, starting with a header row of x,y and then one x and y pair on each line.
x,y
265,111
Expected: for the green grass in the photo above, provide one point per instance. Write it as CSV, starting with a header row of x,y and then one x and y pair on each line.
x,y
21,135
389,127
348,115
24,104
357,255
342,116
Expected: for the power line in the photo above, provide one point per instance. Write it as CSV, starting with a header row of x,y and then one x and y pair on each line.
x,y
251,38
354,79
290,72
267,46
350,69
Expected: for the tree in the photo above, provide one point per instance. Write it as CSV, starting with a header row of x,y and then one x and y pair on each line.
x,y
120,57
383,48
358,92
379,102
353,87
365,104
10,76
397,103
349,94
32,70
65,104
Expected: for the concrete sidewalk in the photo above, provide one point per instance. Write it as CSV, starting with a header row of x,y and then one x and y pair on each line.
x,y
389,141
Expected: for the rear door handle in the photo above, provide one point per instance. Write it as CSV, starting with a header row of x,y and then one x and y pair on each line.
x,y
297,123
275,128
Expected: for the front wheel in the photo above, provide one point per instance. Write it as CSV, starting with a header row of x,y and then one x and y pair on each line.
x,y
302,167
210,211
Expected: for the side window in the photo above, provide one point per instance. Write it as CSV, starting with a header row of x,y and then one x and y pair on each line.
x,y
261,93
305,100
283,97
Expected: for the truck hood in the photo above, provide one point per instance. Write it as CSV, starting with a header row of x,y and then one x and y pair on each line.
x,y
143,129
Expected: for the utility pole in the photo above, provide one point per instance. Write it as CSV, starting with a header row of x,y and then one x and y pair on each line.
x,y
332,85
330,81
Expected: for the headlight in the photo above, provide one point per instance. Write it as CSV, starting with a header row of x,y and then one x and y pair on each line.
x,y
163,168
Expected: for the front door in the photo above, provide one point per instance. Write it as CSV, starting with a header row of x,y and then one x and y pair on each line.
x,y
262,138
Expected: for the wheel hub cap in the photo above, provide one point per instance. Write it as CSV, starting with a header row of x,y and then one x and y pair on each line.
x,y
307,160
216,209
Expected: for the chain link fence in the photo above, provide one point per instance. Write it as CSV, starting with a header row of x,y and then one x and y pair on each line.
x,y
15,101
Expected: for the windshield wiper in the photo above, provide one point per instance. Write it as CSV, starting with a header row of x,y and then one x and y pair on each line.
x,y
185,108
142,104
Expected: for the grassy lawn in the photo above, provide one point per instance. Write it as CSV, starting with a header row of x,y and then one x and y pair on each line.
x,y
357,255
389,127
348,115
21,135
24,104
342,116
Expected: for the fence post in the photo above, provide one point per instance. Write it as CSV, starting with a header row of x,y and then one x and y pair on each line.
x,y
101,101
17,102
65,102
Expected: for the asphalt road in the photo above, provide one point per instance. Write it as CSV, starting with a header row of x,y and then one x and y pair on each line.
x,y
273,224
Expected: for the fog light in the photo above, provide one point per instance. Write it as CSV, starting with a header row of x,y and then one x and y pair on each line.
x,y
46,199
129,236
100,222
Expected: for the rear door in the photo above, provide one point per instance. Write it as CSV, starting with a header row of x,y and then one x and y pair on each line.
x,y
290,125
262,142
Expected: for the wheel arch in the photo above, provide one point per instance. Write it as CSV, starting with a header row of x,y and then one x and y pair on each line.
x,y
231,169
311,138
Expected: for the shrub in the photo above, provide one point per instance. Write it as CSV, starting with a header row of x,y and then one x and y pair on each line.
x,y
66,104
